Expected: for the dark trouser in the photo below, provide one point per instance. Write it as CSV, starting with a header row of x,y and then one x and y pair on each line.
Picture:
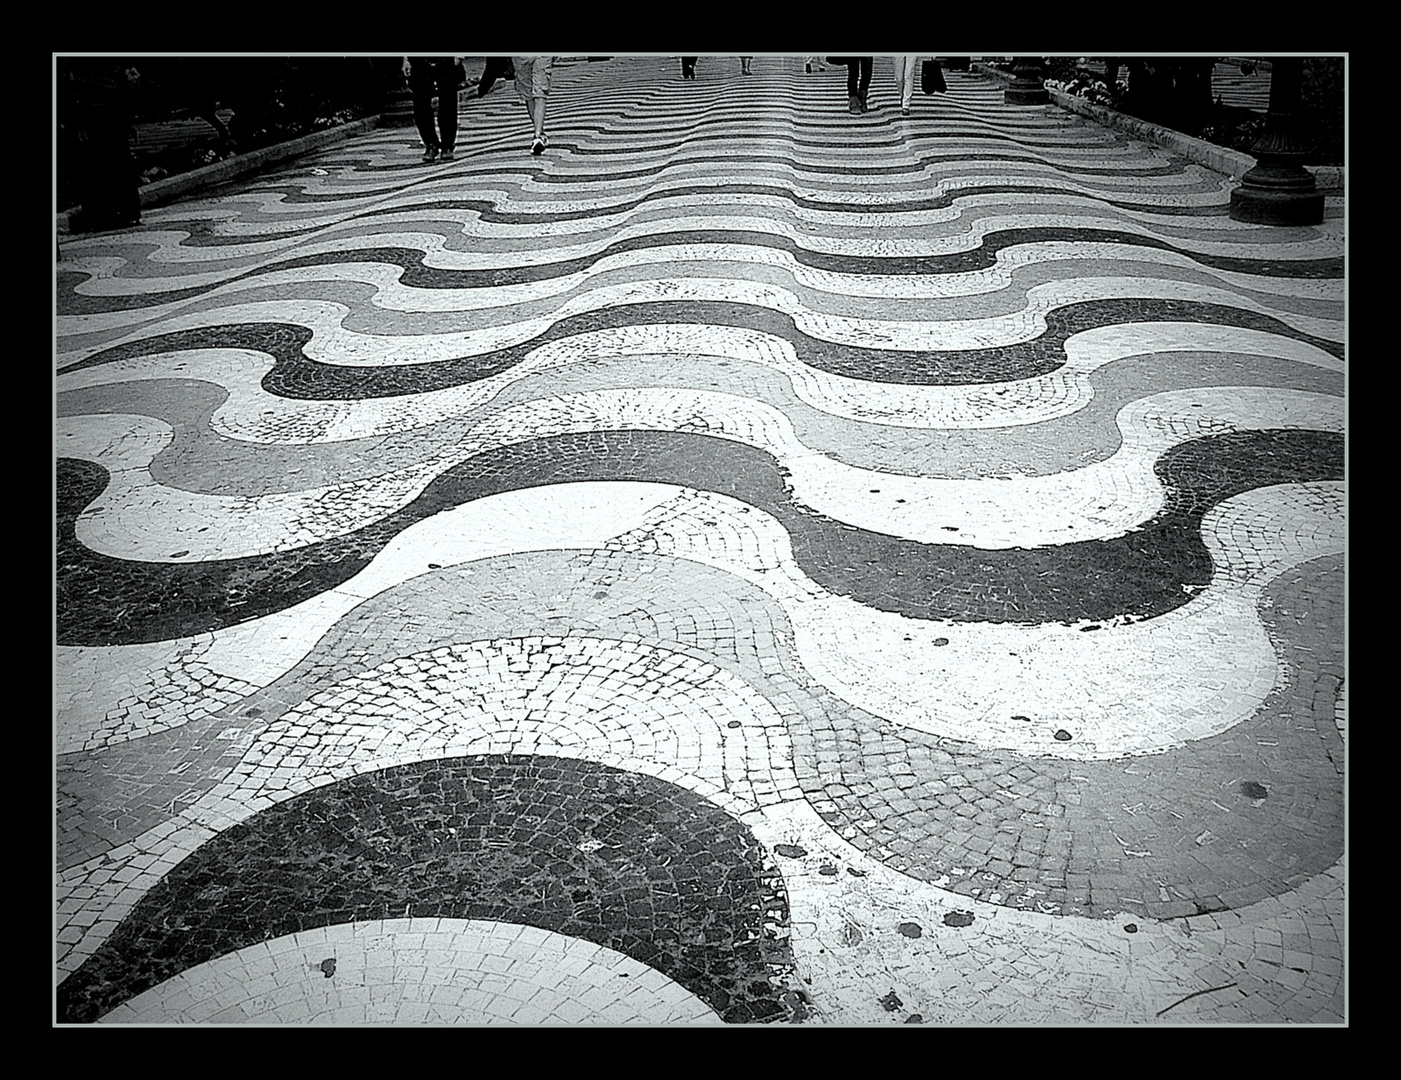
x,y
859,66
497,67
688,67
428,77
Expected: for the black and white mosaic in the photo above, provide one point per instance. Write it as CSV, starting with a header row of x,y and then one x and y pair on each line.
x,y
750,563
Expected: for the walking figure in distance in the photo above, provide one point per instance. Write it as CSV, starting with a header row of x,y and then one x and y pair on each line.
x,y
431,76
906,71
533,86
858,79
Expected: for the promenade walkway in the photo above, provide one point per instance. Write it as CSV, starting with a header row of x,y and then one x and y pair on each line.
x,y
750,563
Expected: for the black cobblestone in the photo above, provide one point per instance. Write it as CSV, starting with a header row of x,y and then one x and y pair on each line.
x,y
676,883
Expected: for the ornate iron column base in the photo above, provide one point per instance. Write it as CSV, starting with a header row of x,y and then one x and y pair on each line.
x,y
1035,96
1028,87
1275,194
1279,190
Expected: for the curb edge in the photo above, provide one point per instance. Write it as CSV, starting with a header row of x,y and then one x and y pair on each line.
x,y
207,176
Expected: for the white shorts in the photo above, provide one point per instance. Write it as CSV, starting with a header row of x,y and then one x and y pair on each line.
x,y
532,76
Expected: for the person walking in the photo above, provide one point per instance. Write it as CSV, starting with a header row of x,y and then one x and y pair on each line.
x,y
744,68
858,79
431,76
906,71
809,62
533,87
688,67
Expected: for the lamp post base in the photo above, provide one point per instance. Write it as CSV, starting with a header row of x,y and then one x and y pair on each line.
x,y
1279,190
1028,88
1034,96
1277,195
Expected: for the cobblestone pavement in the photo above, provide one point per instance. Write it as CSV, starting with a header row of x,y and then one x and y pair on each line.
x,y
749,563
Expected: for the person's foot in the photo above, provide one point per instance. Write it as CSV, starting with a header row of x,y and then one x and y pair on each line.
x,y
446,155
538,146
430,155
854,103
904,110
862,99
807,68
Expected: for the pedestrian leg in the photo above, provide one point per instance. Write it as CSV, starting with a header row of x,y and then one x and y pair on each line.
x,y
421,86
447,109
533,87
906,68
537,118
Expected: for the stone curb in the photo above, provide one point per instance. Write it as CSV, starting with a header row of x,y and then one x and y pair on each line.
x,y
162,191
992,72
1234,163
1329,178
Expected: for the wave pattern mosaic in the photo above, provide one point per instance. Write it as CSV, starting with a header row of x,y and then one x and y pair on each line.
x,y
750,563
